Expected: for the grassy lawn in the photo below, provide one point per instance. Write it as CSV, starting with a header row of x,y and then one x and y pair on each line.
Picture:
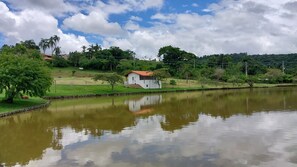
x,y
19,104
67,72
72,90
69,90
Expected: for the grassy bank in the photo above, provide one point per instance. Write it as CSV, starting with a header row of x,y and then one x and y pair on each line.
x,y
20,104
71,90
78,90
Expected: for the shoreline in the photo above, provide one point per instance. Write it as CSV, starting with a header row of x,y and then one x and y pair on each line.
x,y
143,92
150,91
27,109
49,98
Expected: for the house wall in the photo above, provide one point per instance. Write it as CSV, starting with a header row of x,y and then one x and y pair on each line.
x,y
146,84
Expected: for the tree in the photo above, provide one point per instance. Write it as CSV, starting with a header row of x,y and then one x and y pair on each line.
x,y
59,61
84,48
161,74
250,80
44,44
274,75
172,57
75,58
53,42
23,75
57,51
218,73
111,78
176,59
30,44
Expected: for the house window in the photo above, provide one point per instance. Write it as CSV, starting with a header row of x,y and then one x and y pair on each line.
x,y
147,78
132,78
147,86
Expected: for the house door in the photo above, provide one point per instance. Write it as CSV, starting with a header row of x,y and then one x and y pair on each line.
x,y
133,80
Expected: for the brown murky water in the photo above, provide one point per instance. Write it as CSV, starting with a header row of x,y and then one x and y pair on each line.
x,y
215,128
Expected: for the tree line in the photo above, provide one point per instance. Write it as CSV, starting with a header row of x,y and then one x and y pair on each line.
x,y
235,68
170,62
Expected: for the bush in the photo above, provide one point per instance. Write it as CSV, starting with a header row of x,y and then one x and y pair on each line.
x,y
59,61
172,82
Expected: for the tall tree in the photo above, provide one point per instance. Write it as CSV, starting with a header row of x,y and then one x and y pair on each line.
x,y
57,51
53,42
44,44
84,48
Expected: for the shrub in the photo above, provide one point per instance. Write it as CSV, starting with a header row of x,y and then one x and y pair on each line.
x,y
172,82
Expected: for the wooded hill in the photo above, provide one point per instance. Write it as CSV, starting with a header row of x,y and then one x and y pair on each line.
x,y
277,61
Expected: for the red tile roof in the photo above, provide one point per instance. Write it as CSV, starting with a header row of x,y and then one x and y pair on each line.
x,y
142,73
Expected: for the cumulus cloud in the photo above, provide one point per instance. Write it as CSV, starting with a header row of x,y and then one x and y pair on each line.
x,y
124,6
95,23
55,7
136,18
34,24
230,27
226,26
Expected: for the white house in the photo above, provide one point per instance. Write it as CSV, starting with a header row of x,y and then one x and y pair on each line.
x,y
144,79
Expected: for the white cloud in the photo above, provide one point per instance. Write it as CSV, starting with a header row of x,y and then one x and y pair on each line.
x,y
131,25
195,5
123,6
136,18
55,7
34,24
95,23
229,26
232,26
71,42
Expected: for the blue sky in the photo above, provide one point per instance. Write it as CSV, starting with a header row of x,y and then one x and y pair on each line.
x,y
198,26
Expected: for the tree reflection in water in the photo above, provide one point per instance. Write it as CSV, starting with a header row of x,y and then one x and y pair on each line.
x,y
25,137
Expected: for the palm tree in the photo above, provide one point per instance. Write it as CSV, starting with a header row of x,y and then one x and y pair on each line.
x,y
53,41
44,44
56,40
96,48
57,51
84,48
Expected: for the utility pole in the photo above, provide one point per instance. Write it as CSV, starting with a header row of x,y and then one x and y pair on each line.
x,y
246,69
283,67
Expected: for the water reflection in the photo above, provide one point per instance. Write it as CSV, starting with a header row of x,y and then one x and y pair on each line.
x,y
144,105
217,128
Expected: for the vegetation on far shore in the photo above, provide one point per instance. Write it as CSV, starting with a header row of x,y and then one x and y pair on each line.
x,y
97,70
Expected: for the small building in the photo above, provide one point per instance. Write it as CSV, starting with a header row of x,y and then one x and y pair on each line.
x,y
47,57
144,79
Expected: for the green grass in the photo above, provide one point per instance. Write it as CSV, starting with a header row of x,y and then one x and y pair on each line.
x,y
72,90
67,72
19,104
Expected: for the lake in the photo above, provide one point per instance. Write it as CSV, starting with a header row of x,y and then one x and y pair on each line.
x,y
213,128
